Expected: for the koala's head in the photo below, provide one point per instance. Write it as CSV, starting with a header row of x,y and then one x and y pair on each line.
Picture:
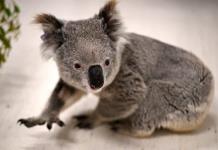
x,y
87,52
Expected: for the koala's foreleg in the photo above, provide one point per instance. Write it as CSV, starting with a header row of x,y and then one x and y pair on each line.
x,y
96,118
106,112
62,97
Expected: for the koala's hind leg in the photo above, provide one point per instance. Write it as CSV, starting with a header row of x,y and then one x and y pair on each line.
x,y
179,121
62,97
179,106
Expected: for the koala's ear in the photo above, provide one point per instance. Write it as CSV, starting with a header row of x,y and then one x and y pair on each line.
x,y
111,20
52,27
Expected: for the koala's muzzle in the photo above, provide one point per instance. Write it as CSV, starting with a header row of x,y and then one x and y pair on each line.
x,y
95,75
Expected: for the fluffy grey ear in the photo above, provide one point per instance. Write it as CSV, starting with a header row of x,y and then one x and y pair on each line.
x,y
111,20
53,36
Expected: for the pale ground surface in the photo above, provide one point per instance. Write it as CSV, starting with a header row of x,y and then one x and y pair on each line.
x,y
26,80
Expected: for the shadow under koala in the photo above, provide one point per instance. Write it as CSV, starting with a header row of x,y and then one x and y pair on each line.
x,y
66,132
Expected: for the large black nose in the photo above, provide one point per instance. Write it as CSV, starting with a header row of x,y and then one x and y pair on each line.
x,y
96,78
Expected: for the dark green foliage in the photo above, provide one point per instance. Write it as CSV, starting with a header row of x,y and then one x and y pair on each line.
x,y
9,27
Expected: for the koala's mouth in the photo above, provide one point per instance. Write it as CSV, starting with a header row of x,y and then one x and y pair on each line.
x,y
96,78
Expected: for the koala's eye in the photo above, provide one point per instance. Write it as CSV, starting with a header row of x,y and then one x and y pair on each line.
x,y
107,62
77,66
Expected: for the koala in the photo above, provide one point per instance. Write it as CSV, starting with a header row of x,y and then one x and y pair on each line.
x,y
143,84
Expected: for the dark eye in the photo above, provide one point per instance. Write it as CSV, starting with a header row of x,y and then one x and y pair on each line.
x,y
77,65
107,62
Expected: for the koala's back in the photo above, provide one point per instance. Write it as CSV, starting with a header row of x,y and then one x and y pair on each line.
x,y
154,59
179,84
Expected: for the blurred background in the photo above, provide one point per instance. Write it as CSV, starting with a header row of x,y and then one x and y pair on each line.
x,y
26,80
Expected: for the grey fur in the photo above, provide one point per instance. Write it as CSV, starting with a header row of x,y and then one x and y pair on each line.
x,y
148,84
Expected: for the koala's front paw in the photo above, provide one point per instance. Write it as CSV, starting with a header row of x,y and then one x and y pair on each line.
x,y
33,121
84,122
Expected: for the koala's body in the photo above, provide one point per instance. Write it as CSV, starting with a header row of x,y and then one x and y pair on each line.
x,y
143,84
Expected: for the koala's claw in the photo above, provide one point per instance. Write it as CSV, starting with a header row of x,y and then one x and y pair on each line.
x,y
31,122
54,120
84,122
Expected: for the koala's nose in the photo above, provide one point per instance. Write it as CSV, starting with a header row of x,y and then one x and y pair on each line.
x,y
95,75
